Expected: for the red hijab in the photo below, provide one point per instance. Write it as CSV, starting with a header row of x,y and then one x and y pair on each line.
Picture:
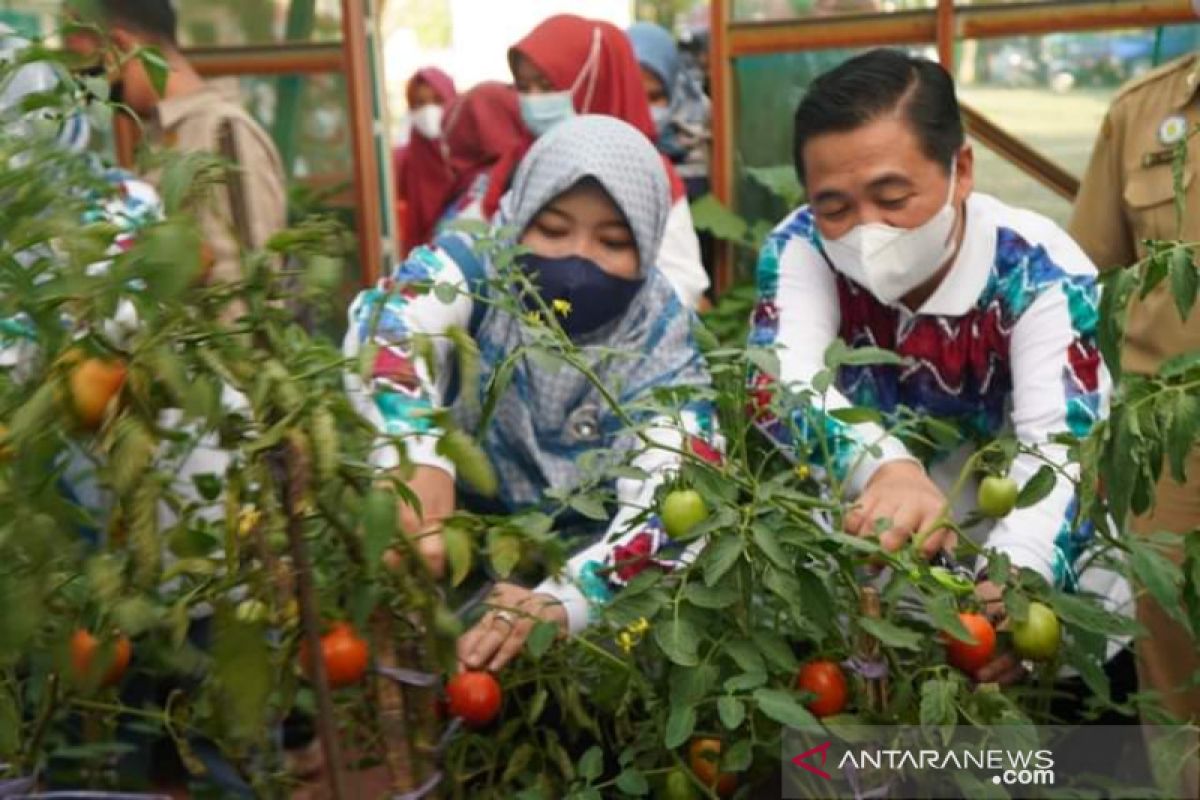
x,y
482,126
423,175
561,47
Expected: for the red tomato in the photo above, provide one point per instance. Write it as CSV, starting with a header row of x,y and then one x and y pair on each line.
x,y
704,757
826,680
84,647
970,657
474,697
345,655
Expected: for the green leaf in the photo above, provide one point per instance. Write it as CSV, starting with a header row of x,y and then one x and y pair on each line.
x,y
1160,576
1088,615
518,762
856,415
632,782
890,634
1179,365
871,356
710,214
937,703
767,540
590,506
745,682
678,639
1185,423
714,598
680,724
538,705
446,293
731,711
381,522
243,675
459,553
156,66
1154,274
783,707
592,764
1184,281
776,650
738,757
10,724
504,550
540,638
721,555
1037,488
746,655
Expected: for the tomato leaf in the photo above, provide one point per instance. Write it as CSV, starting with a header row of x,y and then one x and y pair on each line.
x,y
745,681
1037,488
891,635
540,638
632,782
937,703
678,640
731,711
1160,576
680,724
746,655
721,555
1184,281
504,550
243,674
458,552
590,506
856,415
776,649
782,706
1185,423
767,540
710,214
715,598
738,757
592,764
380,522
1089,616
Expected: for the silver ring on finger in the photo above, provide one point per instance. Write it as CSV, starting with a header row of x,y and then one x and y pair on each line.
x,y
505,617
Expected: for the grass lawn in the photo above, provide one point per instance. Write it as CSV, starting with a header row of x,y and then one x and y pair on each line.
x,y
1062,127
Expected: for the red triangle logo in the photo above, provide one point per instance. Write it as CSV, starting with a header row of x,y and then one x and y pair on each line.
x,y
822,750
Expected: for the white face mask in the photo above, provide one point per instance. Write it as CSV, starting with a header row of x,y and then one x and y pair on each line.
x,y
891,262
662,118
543,110
427,120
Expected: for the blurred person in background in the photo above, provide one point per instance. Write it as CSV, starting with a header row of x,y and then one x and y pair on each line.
x,y
481,127
422,168
1127,198
193,116
568,66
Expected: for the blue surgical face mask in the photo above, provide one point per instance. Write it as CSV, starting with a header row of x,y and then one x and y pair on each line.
x,y
594,298
541,112
662,118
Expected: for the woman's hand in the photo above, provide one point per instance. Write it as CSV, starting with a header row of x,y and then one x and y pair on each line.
x,y
499,636
434,489
1004,668
901,492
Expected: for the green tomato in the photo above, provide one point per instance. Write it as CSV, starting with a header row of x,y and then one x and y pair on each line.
x,y
1039,636
678,786
997,496
252,611
682,510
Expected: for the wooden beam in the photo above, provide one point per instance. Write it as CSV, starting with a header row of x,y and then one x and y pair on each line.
x,y
723,118
945,34
281,59
366,174
973,22
1030,161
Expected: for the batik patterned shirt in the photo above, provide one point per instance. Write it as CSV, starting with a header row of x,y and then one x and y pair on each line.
x,y
1007,342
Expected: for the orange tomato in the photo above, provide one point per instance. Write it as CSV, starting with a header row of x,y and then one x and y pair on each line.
x,y
93,382
827,682
344,653
84,647
970,657
704,757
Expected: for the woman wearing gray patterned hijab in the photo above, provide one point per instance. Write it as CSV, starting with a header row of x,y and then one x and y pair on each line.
x,y
589,204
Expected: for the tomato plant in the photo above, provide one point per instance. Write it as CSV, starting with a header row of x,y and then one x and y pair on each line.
x,y
474,697
704,757
826,681
115,656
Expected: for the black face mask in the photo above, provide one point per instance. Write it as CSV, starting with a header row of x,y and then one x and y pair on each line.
x,y
595,298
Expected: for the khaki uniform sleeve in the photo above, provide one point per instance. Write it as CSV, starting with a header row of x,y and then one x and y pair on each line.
x,y
253,205
1098,221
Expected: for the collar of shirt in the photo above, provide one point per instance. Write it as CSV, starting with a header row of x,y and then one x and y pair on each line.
x,y
960,289
172,110
1189,85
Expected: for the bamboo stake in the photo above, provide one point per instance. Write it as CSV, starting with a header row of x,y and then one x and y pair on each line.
x,y
393,716
870,651
291,463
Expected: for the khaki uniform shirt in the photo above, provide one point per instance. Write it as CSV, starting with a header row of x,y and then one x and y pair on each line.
x,y
253,205
1128,196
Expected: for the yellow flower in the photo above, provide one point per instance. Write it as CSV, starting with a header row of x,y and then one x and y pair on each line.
x,y
625,642
533,317
248,520
803,471
562,307
640,627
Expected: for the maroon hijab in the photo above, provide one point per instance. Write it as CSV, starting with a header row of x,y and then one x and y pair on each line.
x,y
482,126
423,174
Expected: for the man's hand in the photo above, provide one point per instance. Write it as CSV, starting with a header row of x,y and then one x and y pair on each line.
x,y
901,492
434,489
499,636
1004,668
